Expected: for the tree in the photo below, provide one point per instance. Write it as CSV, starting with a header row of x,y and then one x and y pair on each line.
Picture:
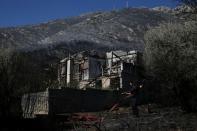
x,y
18,75
171,57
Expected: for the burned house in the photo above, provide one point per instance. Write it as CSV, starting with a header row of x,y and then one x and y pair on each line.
x,y
121,68
88,81
112,70
81,70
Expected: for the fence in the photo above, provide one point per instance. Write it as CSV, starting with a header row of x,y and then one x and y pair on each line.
x,y
34,104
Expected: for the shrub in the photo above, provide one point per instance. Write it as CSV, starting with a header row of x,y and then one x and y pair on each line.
x,y
171,57
19,74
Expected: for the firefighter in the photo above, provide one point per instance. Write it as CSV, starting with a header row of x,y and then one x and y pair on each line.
x,y
133,93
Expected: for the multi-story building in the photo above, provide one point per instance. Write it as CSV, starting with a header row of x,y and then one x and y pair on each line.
x,y
110,73
81,70
121,68
112,70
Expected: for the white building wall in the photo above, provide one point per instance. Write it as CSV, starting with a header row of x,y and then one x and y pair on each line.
x,y
68,74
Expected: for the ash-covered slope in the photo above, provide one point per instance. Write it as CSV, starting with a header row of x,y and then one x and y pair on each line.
x,y
116,29
122,29
29,35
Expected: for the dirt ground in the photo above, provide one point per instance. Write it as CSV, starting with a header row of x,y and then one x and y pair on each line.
x,y
157,119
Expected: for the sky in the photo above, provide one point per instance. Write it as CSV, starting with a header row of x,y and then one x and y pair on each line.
x,y
25,12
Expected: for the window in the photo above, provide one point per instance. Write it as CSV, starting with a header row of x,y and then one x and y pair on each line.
x,y
85,74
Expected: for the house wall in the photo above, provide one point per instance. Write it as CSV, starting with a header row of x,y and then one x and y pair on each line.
x,y
68,100
91,69
83,84
114,58
106,83
111,83
123,65
95,67
69,71
62,73
74,100
84,67
128,74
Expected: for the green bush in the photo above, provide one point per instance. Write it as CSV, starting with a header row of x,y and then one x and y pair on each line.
x,y
171,58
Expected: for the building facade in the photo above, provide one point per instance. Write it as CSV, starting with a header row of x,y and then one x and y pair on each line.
x,y
81,70
89,81
112,70
121,68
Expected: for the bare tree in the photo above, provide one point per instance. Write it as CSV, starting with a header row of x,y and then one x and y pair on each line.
x,y
18,75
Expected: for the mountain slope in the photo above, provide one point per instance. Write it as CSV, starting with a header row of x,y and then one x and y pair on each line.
x,y
122,29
